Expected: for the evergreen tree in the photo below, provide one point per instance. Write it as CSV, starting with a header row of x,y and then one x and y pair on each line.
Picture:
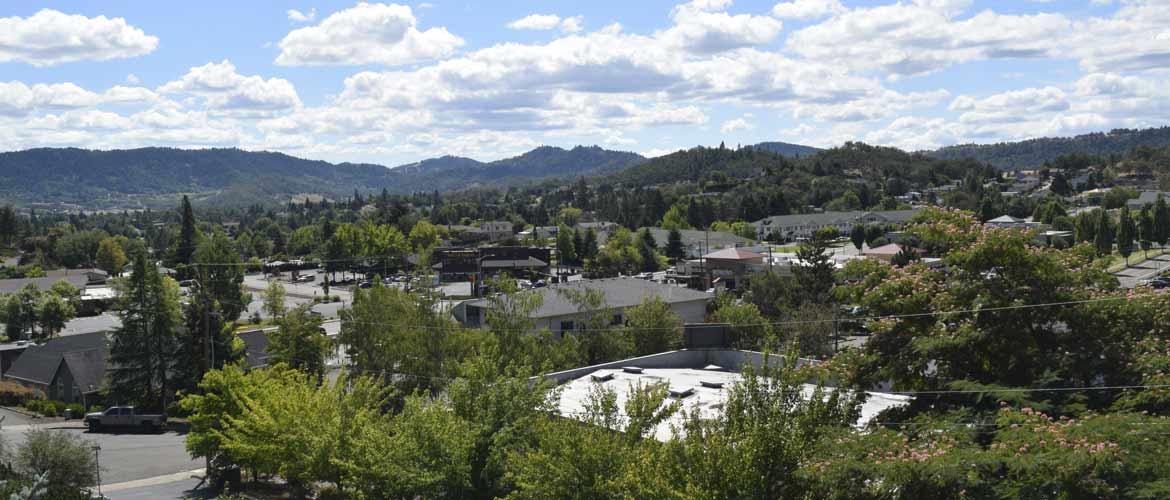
x,y
188,234
590,245
857,236
9,225
1161,233
1126,232
221,274
1103,233
648,251
1145,229
566,252
1085,227
578,245
674,245
815,272
142,354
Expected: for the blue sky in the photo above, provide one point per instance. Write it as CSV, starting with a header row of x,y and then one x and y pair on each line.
x,y
393,83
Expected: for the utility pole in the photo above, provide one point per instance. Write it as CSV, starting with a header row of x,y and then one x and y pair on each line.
x,y
97,458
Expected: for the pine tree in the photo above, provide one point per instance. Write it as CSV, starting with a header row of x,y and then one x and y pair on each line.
x,y
142,354
220,271
188,237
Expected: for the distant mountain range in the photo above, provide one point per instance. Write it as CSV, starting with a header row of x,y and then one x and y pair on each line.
x,y
1035,152
150,177
155,176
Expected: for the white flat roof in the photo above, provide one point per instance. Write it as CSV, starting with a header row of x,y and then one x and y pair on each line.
x,y
709,401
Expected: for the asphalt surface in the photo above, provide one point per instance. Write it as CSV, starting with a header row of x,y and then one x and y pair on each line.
x,y
14,418
1130,277
124,456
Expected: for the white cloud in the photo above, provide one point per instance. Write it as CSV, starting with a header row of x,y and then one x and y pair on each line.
x,y
572,24
367,33
297,16
699,28
735,125
132,79
50,37
906,39
543,22
225,89
807,9
536,22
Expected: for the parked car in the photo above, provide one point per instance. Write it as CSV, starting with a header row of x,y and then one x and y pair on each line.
x,y
1159,283
125,417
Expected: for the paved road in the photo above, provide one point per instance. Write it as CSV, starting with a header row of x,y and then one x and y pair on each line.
x,y
14,418
124,457
171,486
1155,265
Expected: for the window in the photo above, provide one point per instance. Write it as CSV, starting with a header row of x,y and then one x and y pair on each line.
x,y
126,411
566,326
617,319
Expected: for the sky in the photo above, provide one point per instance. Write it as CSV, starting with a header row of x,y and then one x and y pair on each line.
x,y
393,83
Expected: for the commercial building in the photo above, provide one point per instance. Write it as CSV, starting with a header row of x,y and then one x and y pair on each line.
x,y
800,226
700,379
559,314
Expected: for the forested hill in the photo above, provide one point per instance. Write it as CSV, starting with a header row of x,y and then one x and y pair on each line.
x,y
147,176
851,160
1034,153
788,149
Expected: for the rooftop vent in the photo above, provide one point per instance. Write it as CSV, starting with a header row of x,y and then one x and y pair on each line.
x,y
632,369
681,392
711,384
602,377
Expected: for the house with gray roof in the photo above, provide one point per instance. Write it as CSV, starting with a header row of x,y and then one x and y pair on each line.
x,y
797,226
559,314
70,369
1147,198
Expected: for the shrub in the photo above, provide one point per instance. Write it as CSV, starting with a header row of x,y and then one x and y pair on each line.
x,y
14,394
66,458
77,409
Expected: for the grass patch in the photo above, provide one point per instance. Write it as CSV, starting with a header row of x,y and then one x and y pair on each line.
x,y
1116,262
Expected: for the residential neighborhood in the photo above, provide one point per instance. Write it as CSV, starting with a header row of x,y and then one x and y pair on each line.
x,y
701,249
